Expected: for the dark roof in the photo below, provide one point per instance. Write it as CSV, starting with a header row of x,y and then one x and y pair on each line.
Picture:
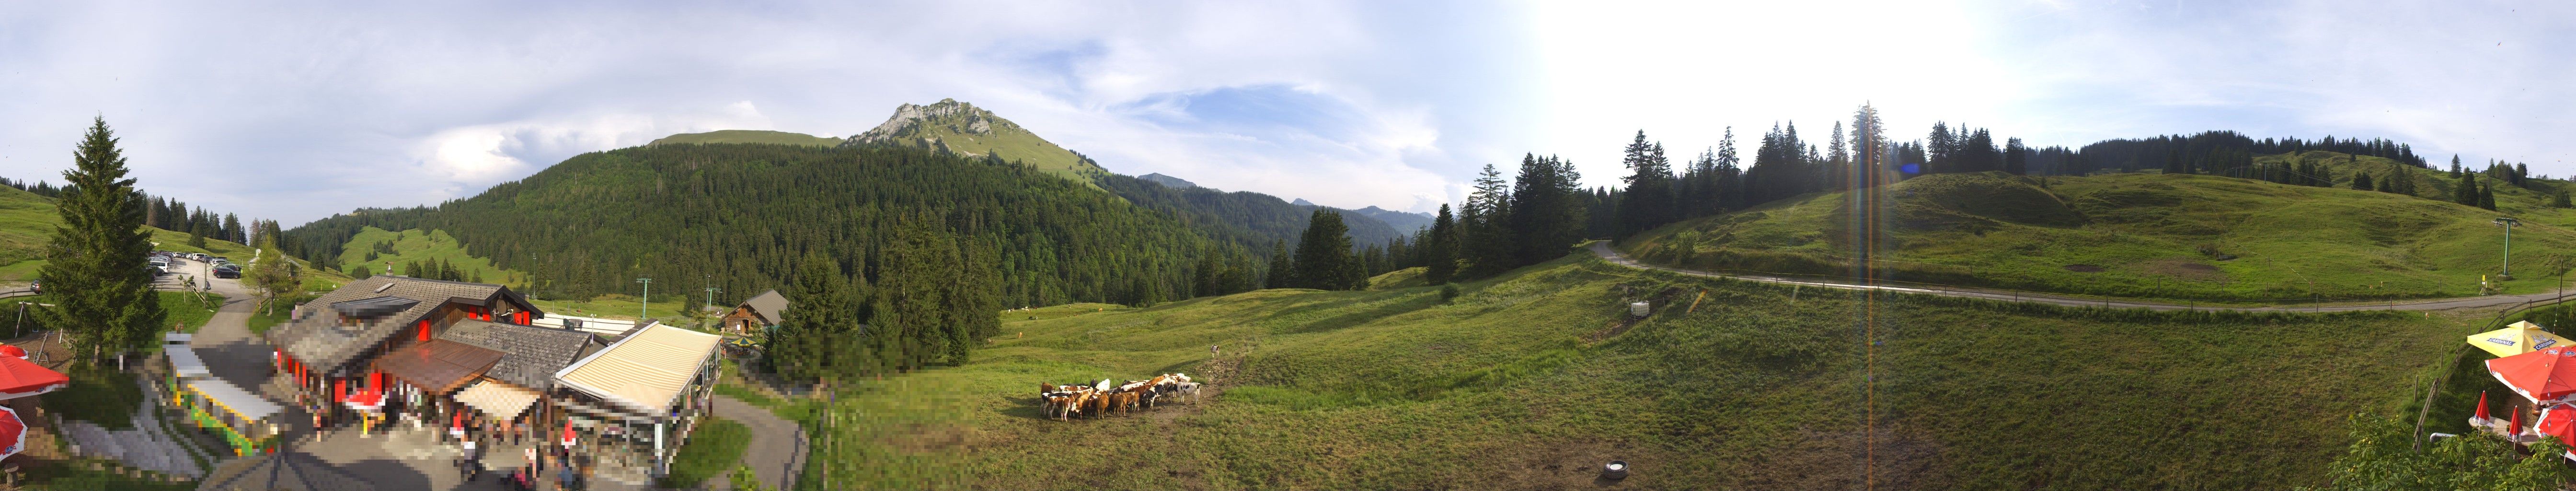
x,y
769,305
285,471
373,307
316,337
531,354
438,365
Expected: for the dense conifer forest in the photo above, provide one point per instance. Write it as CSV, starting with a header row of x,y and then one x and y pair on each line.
x,y
743,216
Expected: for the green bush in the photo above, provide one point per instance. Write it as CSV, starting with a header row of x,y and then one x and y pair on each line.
x,y
716,447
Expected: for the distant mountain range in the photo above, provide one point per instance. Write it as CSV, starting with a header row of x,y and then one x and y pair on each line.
x,y
1173,182
1402,221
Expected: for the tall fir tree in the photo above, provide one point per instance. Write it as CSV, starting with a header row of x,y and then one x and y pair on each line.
x,y
1324,253
1648,201
818,339
95,269
2466,192
1283,272
1487,245
1547,212
1440,248
2016,157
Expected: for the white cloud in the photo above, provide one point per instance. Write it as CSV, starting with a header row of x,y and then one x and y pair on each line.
x,y
296,111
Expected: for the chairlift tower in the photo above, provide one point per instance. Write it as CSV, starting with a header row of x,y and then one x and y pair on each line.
x,y
644,307
2508,223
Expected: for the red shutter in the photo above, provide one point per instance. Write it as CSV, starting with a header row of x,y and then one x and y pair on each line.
x,y
424,329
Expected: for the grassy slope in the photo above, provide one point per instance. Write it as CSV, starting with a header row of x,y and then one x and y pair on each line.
x,y
618,306
416,245
749,136
1759,389
27,222
2145,231
1402,278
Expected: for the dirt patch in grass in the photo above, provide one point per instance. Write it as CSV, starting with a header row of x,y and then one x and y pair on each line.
x,y
927,438
1833,460
2184,269
2084,268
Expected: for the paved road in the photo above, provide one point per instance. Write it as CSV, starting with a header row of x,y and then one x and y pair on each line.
x,y
1603,249
777,451
230,350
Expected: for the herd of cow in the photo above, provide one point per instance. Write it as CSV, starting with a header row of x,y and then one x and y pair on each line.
x,y
1063,402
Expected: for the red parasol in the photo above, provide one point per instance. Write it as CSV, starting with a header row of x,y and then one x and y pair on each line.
x,y
2559,421
2517,423
2538,375
21,378
2482,408
13,351
567,440
12,431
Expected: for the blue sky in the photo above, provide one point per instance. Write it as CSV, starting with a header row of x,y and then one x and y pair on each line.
x,y
294,111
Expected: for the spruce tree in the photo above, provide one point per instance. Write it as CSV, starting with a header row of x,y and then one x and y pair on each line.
x,y
816,338
1647,203
2016,158
1323,253
95,272
1486,245
2486,198
1283,273
2466,192
2361,181
1440,251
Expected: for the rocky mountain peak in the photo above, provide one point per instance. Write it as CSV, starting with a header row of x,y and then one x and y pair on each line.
x,y
957,117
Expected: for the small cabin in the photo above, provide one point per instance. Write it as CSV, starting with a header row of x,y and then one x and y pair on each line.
x,y
761,312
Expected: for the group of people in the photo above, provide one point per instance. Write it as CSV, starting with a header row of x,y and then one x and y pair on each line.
x,y
540,459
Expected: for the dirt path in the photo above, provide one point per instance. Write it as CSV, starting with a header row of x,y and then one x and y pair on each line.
x,y
1602,248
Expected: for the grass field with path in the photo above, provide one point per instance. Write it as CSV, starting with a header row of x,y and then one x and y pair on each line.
x,y
2143,235
1533,379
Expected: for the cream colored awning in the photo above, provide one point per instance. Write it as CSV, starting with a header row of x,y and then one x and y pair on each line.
x,y
499,400
646,371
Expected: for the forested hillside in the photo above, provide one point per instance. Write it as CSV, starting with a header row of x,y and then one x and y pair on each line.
x,y
745,214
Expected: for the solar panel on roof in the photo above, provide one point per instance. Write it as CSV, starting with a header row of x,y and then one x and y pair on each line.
x,y
373,307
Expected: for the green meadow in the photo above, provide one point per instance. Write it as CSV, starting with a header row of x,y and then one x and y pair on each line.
x,y
2145,235
1533,379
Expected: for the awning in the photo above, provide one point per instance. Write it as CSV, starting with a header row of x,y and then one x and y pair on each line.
x,y
439,365
242,403
496,399
646,371
185,362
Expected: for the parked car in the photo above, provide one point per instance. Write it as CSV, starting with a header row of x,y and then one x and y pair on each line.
x,y
227,271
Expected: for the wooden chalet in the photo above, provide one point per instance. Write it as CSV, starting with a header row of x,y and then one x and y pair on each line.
x,y
760,312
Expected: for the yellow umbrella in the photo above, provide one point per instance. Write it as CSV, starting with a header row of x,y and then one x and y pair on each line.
x,y
2519,338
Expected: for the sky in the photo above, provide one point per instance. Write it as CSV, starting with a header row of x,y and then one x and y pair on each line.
x,y
294,111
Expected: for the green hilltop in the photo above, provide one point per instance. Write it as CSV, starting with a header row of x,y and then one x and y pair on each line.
x,y
27,223
2151,235
964,129
749,136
